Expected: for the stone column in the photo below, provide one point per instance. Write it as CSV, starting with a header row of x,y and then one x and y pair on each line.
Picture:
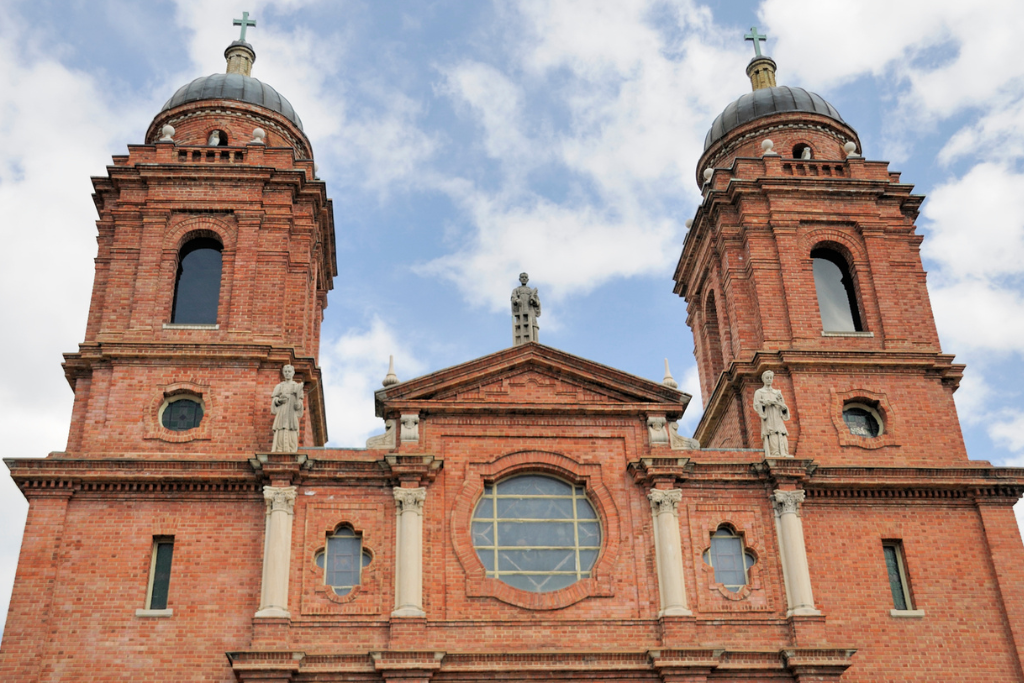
x,y
668,552
277,550
794,555
409,552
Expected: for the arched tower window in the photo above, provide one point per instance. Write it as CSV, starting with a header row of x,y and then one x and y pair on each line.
x,y
197,286
837,298
713,338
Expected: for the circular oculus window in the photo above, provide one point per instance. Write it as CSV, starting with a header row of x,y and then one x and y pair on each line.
x,y
536,533
181,413
862,420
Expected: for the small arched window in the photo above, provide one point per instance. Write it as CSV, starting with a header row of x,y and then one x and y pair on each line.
x,y
197,286
803,151
837,299
729,559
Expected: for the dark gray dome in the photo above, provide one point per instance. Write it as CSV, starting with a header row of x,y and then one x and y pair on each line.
x,y
767,101
234,87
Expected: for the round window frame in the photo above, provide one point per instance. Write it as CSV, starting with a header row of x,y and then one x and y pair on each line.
x,y
576,548
873,411
587,475
174,398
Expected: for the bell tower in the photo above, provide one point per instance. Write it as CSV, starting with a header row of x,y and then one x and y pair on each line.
x,y
803,258
216,253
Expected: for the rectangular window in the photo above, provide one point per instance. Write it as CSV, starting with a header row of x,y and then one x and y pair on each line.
x,y
160,572
896,568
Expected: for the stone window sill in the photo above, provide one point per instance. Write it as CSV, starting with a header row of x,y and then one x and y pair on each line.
x,y
154,613
907,613
175,326
840,334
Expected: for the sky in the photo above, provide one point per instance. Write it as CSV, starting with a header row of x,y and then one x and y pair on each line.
x,y
465,141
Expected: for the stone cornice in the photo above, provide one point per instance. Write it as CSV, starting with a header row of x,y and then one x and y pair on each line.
x,y
57,475
478,666
620,391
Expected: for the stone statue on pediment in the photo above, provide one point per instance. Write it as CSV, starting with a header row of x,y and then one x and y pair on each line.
x,y
525,311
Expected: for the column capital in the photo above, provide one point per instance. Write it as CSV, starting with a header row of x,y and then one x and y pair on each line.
x,y
280,498
410,499
665,501
787,502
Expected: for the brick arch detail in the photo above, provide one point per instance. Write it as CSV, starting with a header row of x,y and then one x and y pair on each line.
x,y
191,227
587,475
187,227
890,435
830,235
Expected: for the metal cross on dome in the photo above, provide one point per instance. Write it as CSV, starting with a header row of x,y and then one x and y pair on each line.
x,y
757,38
245,22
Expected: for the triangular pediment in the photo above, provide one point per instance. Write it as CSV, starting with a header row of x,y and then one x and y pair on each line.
x,y
531,376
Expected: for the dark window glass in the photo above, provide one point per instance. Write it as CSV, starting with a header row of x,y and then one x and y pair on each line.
x,y
893,563
861,422
161,575
182,415
197,287
837,300
342,560
729,560
536,533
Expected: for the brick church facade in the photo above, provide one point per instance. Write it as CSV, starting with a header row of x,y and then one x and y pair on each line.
x,y
529,515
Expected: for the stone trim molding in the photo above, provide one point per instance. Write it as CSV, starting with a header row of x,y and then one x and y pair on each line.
x,y
670,664
587,475
153,428
742,523
890,435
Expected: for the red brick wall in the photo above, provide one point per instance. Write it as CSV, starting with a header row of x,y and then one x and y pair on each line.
x,y
84,579
963,635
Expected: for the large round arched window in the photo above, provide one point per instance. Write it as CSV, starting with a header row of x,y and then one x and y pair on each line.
x,y
536,533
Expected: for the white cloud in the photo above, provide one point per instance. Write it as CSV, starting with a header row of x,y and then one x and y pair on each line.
x,y
976,226
1007,429
375,146
627,98
57,131
353,367
497,102
569,249
998,135
951,54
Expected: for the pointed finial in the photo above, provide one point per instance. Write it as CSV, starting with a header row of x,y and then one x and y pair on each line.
x,y
245,22
240,54
753,35
761,68
669,381
391,378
